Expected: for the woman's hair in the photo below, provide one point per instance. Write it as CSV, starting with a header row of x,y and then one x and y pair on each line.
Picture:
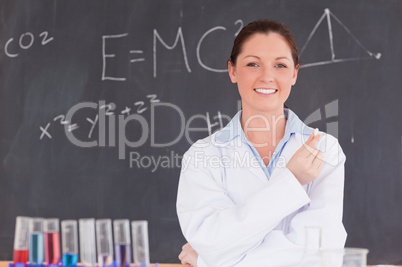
x,y
263,26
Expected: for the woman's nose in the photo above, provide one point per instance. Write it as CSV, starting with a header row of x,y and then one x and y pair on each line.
x,y
267,74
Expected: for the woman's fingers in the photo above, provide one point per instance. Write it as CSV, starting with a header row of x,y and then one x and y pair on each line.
x,y
307,163
311,145
318,161
188,256
316,158
319,157
183,251
311,136
181,255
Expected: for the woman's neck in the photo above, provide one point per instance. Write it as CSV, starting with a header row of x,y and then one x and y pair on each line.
x,y
264,129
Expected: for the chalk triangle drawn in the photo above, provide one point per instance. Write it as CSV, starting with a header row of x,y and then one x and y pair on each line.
x,y
328,15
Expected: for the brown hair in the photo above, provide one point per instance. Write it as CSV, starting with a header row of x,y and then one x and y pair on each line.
x,y
264,26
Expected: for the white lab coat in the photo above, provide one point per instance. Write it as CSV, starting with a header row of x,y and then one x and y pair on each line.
x,y
232,215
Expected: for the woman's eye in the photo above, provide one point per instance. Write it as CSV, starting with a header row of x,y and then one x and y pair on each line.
x,y
252,65
280,66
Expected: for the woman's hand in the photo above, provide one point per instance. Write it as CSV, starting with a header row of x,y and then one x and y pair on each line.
x,y
307,163
188,256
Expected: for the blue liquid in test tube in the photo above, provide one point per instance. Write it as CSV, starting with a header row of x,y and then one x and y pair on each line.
x,y
69,243
36,248
36,244
70,260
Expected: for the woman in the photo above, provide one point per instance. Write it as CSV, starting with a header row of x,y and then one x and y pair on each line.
x,y
247,192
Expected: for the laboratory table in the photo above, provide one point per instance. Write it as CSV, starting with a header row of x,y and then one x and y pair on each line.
x,y
5,264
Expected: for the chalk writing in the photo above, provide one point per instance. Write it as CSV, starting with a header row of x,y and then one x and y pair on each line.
x,y
107,124
108,111
178,36
26,41
328,14
157,39
44,132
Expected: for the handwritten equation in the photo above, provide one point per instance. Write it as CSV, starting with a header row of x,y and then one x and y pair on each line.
x,y
137,56
109,110
113,124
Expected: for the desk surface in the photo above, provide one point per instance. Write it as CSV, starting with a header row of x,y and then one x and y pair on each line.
x,y
4,264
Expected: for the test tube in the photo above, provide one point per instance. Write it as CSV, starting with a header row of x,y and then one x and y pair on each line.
x,y
36,245
122,242
21,239
69,245
52,241
312,238
104,242
312,255
87,242
140,243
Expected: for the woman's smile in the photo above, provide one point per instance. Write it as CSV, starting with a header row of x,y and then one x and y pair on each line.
x,y
265,91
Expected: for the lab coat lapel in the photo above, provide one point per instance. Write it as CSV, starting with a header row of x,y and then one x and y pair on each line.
x,y
245,159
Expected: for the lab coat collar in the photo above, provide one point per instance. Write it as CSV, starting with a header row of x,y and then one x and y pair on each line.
x,y
234,130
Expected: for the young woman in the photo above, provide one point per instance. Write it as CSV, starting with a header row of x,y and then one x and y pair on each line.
x,y
247,192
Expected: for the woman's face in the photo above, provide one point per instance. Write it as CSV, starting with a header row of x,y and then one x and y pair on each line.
x,y
264,73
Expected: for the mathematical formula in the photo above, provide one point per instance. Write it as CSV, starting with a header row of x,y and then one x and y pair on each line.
x,y
109,111
113,124
136,56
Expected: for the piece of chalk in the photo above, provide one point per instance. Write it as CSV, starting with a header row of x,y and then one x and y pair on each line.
x,y
315,131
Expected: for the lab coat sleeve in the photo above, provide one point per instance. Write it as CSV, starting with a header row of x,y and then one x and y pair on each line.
x,y
325,210
326,194
219,230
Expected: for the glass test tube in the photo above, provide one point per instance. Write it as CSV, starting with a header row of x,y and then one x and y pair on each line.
x,y
104,242
87,242
69,245
140,243
36,245
52,241
312,255
21,239
122,242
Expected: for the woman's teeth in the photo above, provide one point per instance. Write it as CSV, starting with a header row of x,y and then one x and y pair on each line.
x,y
265,91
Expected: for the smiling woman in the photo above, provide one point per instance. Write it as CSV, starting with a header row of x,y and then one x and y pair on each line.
x,y
277,176
264,69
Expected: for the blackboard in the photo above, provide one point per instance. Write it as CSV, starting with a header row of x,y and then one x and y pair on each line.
x,y
94,93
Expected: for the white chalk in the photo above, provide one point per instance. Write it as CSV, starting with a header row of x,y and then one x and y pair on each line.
x,y
315,131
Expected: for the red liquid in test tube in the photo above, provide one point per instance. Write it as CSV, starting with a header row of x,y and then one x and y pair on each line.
x,y
52,248
52,241
21,239
20,256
